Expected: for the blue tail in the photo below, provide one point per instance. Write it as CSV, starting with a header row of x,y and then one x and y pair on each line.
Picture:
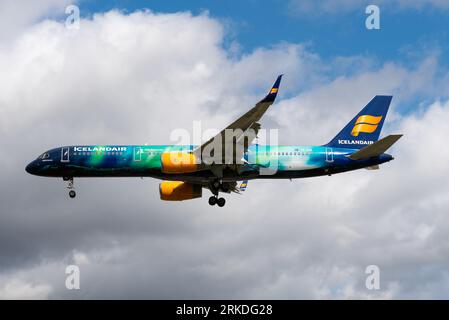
x,y
365,128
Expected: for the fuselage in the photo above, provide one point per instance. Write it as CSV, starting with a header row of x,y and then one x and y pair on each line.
x,y
259,162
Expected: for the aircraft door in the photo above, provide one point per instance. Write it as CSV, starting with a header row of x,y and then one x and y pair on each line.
x,y
65,154
137,153
329,155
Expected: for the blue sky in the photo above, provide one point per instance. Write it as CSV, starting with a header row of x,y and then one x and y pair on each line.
x,y
339,33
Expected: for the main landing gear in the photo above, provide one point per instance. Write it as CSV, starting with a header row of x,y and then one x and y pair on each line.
x,y
70,186
215,187
216,200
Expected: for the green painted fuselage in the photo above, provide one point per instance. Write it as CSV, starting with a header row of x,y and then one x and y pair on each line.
x,y
266,162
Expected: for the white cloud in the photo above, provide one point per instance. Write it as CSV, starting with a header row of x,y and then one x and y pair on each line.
x,y
134,78
17,289
80,258
344,96
16,16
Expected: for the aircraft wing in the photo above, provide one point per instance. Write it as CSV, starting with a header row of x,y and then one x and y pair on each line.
x,y
241,132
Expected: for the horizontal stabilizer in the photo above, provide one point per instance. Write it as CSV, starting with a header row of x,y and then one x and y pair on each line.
x,y
377,148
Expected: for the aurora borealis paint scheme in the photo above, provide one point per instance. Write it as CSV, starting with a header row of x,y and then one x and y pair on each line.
x,y
219,163
145,161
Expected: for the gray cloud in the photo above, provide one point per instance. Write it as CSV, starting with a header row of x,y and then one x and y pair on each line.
x,y
134,78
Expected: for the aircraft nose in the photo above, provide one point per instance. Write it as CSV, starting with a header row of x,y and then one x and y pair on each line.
x,y
31,167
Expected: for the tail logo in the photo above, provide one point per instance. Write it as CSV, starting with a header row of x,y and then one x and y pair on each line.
x,y
366,124
274,90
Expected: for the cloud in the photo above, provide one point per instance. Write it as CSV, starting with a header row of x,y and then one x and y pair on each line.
x,y
17,289
132,78
16,16
344,96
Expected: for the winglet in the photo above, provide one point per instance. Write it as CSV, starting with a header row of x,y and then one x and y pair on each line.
x,y
271,96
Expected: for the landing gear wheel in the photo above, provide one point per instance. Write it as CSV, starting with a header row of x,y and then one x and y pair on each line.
x,y
72,194
221,202
212,200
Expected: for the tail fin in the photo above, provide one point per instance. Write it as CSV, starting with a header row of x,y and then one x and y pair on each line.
x,y
365,128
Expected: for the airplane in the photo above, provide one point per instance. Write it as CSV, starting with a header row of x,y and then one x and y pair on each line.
x,y
185,170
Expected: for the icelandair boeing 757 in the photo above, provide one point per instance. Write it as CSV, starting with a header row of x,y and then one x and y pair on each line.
x,y
187,170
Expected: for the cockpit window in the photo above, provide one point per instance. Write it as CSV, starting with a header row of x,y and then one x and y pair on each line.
x,y
45,155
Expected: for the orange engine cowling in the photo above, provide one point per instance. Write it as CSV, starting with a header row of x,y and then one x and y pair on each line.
x,y
178,190
178,162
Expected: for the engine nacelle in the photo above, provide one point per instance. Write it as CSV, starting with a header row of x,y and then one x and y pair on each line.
x,y
178,162
178,190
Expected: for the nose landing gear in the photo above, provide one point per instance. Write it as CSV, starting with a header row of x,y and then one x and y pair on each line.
x,y
70,186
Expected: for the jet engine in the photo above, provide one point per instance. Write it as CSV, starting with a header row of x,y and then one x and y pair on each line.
x,y
178,162
178,190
